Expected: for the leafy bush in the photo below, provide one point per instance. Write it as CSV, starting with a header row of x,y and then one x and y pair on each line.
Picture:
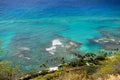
x,y
43,72
7,72
100,58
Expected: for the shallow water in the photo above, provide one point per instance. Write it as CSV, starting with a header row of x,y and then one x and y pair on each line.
x,y
26,40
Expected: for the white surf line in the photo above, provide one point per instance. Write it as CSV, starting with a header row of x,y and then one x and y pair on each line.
x,y
55,43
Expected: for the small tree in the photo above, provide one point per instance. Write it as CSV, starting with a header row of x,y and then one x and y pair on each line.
x,y
63,60
7,72
90,56
43,66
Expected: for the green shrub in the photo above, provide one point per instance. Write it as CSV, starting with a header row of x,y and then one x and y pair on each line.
x,y
100,58
44,72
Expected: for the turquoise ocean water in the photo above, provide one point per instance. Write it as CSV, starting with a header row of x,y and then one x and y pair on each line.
x,y
28,29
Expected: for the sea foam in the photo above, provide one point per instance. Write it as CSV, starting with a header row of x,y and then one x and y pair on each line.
x,y
55,43
58,43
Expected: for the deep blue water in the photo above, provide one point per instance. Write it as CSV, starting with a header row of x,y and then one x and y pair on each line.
x,y
41,8
27,27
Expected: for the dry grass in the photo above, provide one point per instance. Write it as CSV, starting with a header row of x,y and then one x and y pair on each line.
x,y
111,77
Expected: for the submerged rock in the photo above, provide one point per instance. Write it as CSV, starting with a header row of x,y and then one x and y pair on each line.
x,y
62,45
110,39
103,41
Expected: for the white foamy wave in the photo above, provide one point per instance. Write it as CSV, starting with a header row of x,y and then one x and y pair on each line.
x,y
55,43
22,56
51,49
24,48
